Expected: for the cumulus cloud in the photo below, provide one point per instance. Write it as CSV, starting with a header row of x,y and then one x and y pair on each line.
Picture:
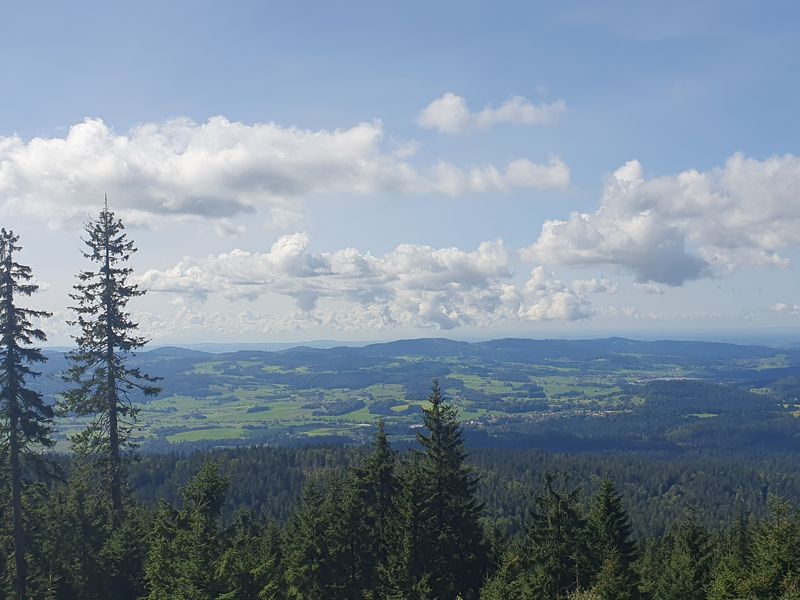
x,y
670,230
220,169
413,285
450,114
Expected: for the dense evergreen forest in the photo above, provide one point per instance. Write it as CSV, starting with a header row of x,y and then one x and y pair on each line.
x,y
429,521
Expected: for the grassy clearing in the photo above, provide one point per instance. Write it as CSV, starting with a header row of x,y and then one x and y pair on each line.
x,y
199,435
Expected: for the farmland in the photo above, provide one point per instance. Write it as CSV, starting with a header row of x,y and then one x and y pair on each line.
x,y
533,392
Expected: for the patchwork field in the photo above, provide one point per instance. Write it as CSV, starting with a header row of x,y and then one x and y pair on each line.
x,y
507,389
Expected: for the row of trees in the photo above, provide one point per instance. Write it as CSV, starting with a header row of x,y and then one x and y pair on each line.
x,y
100,382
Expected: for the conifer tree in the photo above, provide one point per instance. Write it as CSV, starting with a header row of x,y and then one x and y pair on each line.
x,y
26,419
614,579
319,547
731,573
775,551
249,567
377,490
456,556
610,534
408,569
186,545
102,382
686,571
556,556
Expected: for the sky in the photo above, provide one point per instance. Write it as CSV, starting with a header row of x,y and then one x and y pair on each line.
x,y
296,171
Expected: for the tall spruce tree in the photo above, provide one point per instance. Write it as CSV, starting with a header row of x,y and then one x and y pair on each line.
x,y
456,557
408,571
102,382
610,534
26,419
376,499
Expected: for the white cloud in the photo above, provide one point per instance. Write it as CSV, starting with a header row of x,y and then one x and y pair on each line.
x,y
520,173
649,288
450,114
220,169
674,229
413,285
594,286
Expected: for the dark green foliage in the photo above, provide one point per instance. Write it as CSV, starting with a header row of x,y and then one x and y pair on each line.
x,y
685,572
555,556
409,571
775,553
613,550
378,528
316,548
614,580
455,557
25,419
186,544
102,383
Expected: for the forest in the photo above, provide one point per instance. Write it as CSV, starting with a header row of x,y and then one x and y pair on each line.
x,y
434,517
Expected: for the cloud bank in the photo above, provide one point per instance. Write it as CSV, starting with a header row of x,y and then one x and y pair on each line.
x,y
450,114
674,229
413,285
220,169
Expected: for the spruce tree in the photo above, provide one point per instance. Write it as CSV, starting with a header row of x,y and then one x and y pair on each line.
x,y
610,534
555,554
408,575
775,554
614,579
102,382
456,556
731,574
685,574
186,545
317,545
26,419
377,493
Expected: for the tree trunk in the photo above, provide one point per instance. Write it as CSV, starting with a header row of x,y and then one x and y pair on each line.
x,y
16,504
113,421
114,451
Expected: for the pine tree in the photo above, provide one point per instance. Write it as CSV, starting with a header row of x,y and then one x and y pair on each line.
x,y
609,529
456,557
26,419
102,381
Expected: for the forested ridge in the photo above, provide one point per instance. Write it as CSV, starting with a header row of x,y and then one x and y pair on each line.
x,y
424,521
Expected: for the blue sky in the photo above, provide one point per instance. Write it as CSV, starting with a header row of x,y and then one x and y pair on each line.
x,y
372,170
